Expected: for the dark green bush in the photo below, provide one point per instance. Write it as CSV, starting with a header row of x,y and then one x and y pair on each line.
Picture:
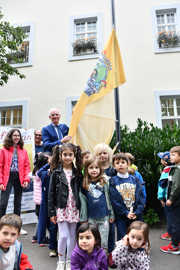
x,y
144,143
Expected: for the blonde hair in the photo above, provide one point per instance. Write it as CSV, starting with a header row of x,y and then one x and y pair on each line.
x,y
103,147
141,226
87,179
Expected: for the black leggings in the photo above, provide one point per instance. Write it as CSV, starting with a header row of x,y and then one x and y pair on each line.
x,y
13,181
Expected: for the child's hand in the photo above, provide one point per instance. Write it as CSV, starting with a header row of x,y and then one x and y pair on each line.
x,y
131,215
53,219
111,220
126,240
2,187
162,203
168,202
25,184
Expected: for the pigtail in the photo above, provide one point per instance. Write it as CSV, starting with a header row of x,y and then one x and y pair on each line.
x,y
35,169
78,156
39,161
55,158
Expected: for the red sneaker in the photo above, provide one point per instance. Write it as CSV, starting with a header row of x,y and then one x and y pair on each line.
x,y
110,262
165,236
170,249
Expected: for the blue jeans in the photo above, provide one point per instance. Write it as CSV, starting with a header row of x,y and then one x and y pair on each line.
x,y
168,219
45,223
111,237
174,217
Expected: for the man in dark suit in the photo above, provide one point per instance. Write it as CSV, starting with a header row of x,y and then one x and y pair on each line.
x,y
55,133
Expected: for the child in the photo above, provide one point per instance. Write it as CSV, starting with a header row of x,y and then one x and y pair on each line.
x,y
173,202
104,155
11,256
133,170
96,190
162,190
39,161
132,251
88,253
63,199
44,221
85,156
126,195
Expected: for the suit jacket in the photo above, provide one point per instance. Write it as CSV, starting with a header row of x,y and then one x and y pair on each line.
x,y
50,137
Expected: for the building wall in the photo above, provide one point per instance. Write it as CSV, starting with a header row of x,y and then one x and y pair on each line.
x,y
52,78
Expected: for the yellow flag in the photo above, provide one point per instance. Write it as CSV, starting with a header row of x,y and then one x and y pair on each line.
x,y
93,116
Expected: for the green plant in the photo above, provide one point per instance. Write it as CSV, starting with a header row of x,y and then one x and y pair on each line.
x,y
151,217
144,143
82,45
167,39
11,39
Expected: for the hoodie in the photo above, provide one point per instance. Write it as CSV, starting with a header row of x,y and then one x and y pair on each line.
x,y
81,260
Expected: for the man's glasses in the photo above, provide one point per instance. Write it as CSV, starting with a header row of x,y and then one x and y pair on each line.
x,y
55,114
37,135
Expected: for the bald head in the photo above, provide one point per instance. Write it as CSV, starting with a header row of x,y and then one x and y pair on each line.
x,y
54,116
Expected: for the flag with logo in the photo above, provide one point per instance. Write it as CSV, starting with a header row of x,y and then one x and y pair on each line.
x,y
93,118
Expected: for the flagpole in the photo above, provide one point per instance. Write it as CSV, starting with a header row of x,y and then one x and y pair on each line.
x,y
116,90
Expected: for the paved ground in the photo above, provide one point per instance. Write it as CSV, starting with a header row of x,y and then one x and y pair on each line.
x,y
41,261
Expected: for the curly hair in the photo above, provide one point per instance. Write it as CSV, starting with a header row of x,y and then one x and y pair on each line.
x,y
102,147
87,179
8,141
57,155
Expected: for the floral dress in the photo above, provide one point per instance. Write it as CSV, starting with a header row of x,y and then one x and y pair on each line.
x,y
70,213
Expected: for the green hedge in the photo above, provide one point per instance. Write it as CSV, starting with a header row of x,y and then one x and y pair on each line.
x,y
144,143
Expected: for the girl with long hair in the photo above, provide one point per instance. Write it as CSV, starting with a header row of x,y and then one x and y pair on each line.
x,y
63,199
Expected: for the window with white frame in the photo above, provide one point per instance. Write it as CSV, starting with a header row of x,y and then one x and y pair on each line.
x,y
168,108
13,114
70,103
166,24
85,37
24,54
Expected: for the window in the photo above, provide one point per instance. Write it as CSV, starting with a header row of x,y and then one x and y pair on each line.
x,y
168,108
70,103
13,114
166,24
85,40
24,53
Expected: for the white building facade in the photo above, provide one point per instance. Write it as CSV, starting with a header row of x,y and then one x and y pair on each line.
x,y
64,39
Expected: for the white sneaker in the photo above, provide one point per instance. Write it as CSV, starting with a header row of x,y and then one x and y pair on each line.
x,y
23,232
60,265
68,265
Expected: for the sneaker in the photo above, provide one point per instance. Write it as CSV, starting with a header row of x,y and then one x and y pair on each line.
x,y
165,236
34,240
52,253
110,262
68,265
60,265
23,232
44,243
170,249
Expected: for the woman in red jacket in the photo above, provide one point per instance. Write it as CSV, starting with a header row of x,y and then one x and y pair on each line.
x,y
14,170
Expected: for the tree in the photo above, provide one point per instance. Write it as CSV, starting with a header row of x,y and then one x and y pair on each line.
x,y
10,40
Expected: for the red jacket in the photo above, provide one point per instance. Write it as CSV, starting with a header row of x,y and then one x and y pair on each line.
x,y
5,164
